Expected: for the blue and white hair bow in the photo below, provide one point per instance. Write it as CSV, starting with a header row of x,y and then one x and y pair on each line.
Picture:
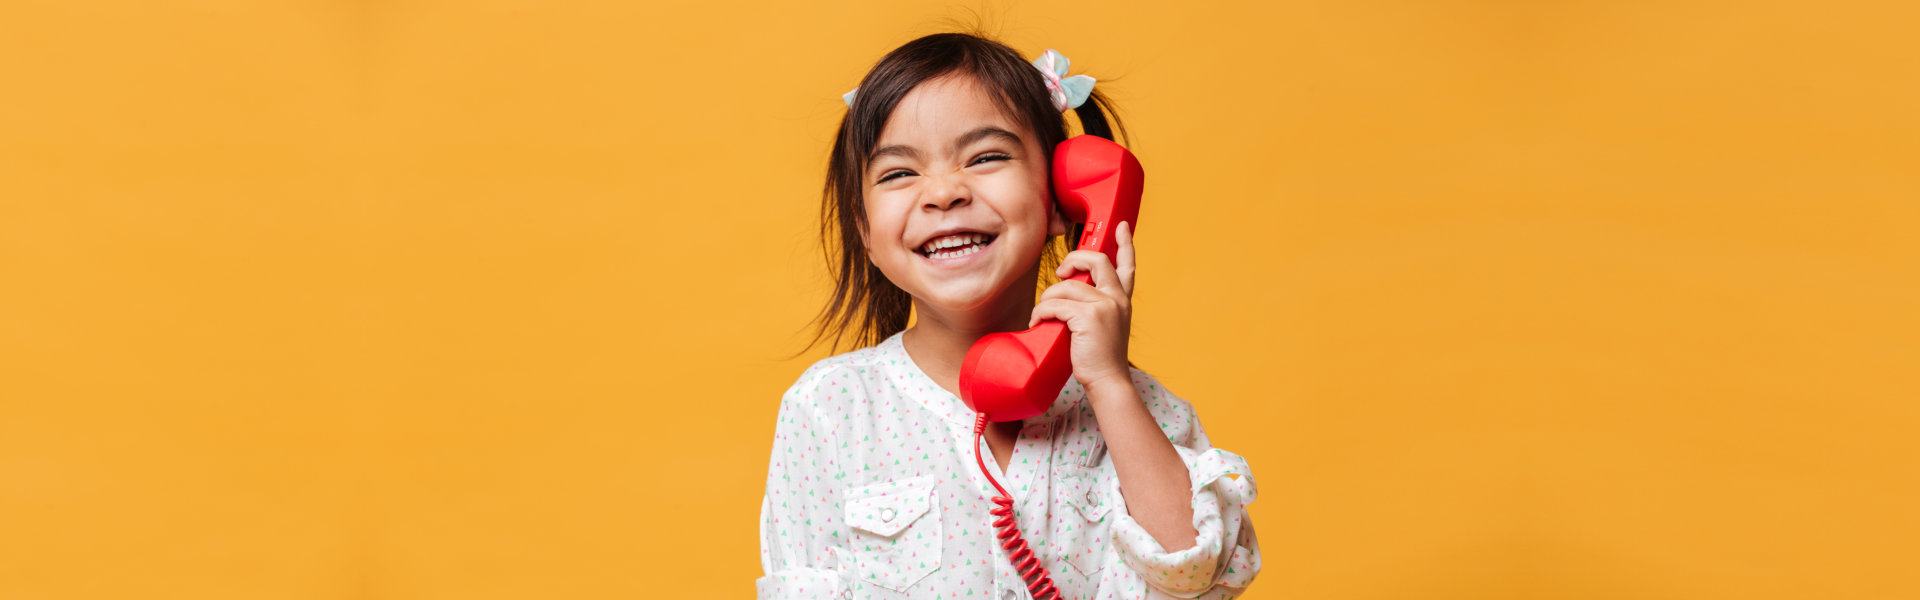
x,y
1067,92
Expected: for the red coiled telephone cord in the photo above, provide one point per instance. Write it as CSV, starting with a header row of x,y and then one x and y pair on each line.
x,y
1038,582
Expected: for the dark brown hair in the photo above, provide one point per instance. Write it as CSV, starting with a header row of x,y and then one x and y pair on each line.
x,y
864,301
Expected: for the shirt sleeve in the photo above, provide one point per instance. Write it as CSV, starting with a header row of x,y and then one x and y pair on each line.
x,y
1225,555
800,541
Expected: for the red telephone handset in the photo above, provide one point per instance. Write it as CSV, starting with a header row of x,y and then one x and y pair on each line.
x,y
1015,375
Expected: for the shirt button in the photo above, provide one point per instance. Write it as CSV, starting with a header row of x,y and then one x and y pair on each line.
x,y
1092,498
886,514
1010,595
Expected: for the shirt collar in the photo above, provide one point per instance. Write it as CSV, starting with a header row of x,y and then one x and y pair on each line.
x,y
917,383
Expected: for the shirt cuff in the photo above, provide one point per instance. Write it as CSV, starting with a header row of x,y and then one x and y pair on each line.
x,y
1222,487
800,583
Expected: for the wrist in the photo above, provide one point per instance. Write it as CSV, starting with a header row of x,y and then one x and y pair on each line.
x,y
1111,390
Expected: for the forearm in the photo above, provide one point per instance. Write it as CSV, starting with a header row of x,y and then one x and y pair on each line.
x,y
1153,479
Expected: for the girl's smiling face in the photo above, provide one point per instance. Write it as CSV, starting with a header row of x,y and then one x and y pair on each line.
x,y
953,175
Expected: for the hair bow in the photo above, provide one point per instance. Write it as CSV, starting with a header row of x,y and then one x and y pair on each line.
x,y
1067,92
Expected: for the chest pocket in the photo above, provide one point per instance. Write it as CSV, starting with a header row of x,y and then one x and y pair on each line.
x,y
1082,528
895,531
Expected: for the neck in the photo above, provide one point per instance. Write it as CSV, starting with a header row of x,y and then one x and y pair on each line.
x,y
939,339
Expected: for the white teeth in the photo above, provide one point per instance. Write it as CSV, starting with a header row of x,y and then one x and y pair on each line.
x,y
958,239
955,253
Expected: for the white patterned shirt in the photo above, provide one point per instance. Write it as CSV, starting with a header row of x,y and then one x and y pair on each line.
x,y
873,492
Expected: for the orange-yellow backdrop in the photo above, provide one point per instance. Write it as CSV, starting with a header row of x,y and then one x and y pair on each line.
x,y
406,299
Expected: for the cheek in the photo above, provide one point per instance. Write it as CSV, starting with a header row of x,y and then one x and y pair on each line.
x,y
883,226
1040,191
1037,208
1023,194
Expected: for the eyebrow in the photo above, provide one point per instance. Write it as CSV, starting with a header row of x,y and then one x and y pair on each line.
x,y
966,139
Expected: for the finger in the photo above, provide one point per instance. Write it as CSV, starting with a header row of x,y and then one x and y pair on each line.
x,y
1123,263
1072,290
1063,310
1096,265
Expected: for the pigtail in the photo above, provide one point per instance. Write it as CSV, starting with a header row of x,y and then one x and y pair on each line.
x,y
1095,119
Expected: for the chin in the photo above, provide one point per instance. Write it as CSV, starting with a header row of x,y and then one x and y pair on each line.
x,y
967,299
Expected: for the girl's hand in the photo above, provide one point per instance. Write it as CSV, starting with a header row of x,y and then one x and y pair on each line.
x,y
1099,315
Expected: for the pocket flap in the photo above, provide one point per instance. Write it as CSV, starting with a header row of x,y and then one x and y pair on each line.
x,y
1090,509
1085,494
886,508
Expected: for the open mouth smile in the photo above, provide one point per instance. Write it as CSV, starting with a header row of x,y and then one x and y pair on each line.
x,y
953,248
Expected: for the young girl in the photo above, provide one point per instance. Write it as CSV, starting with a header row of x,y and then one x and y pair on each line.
x,y
938,202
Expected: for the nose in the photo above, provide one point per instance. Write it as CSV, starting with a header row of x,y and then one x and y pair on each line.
x,y
948,193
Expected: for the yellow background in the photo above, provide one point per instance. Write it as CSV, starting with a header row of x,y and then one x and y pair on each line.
x,y
402,299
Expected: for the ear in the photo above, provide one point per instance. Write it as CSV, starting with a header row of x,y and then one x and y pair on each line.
x,y
1056,221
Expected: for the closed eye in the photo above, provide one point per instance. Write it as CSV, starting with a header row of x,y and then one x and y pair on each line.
x,y
898,173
